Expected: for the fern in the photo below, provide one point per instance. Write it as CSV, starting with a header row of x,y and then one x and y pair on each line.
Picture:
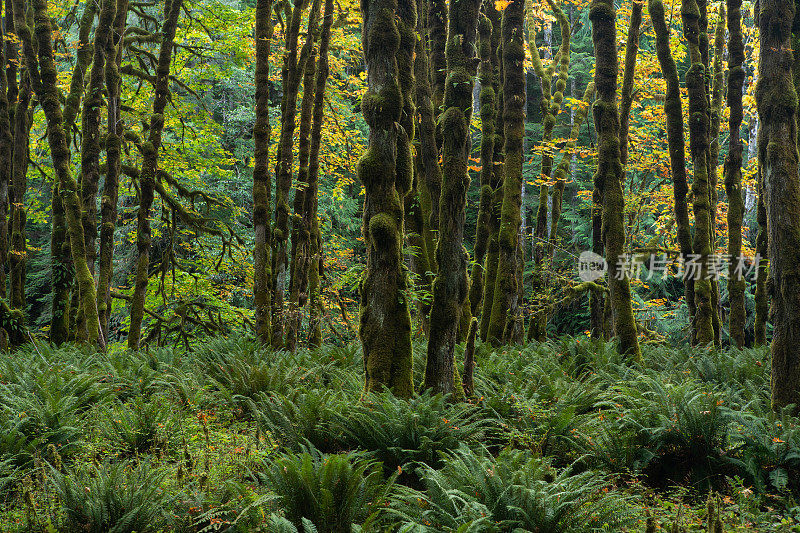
x,y
328,492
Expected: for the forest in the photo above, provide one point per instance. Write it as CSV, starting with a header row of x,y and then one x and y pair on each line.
x,y
407,266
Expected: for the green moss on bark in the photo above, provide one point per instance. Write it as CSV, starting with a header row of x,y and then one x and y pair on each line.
x,y
675,141
148,174
733,172
606,120
506,306
776,100
450,288
384,318
699,115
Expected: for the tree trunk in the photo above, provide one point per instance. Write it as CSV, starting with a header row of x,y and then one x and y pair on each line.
x,y
43,74
488,111
301,236
606,120
699,149
733,173
19,184
386,170
108,202
551,103
293,68
261,178
5,164
90,130
149,169
675,141
626,97
762,246
450,287
713,157
506,298
490,265
776,99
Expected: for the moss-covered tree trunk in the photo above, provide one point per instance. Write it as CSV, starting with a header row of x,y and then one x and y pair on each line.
x,y
675,141
261,178
19,184
147,177
301,235
505,306
733,173
713,157
386,170
43,73
629,71
5,164
450,288
606,120
315,240
776,99
110,197
762,246
490,264
90,130
699,148
292,74
488,111
562,172
62,269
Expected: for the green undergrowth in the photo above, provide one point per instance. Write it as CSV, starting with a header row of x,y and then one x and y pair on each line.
x,y
564,436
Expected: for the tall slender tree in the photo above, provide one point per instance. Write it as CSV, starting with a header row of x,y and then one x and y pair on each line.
x,y
450,288
675,142
110,197
294,64
506,303
147,177
314,265
43,73
488,111
606,119
261,177
386,171
699,117
776,99
733,172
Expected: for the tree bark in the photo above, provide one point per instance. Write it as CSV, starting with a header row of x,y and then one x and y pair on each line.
x,y
315,245
43,73
699,148
261,178
675,141
776,99
733,173
450,288
149,168
488,111
293,68
108,202
386,170
506,297
606,120
551,103
301,236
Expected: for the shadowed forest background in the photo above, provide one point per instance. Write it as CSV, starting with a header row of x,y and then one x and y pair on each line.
x,y
322,266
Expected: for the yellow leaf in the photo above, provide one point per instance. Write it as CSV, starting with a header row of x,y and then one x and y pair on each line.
x,y
501,4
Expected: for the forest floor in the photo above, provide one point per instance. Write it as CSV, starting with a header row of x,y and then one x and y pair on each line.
x,y
564,436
